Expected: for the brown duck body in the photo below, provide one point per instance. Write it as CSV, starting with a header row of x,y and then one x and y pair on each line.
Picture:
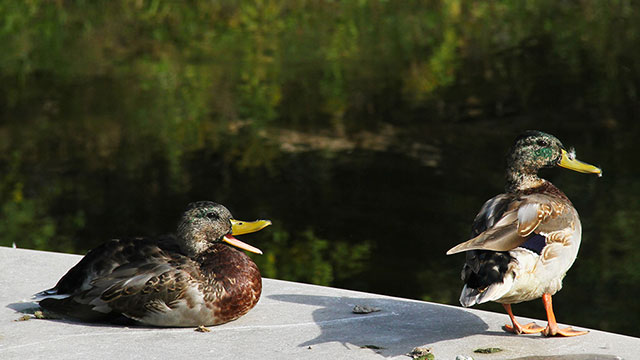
x,y
164,282
154,284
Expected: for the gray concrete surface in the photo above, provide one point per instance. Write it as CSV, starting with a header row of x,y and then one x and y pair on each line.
x,y
291,321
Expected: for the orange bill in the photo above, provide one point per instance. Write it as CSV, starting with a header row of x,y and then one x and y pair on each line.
x,y
229,239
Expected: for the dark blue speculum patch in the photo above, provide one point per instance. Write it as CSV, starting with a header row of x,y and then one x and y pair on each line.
x,y
535,243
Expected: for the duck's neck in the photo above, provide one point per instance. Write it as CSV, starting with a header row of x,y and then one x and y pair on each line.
x,y
192,244
191,239
520,181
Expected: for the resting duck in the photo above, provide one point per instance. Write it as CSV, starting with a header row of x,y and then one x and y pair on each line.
x,y
191,279
524,241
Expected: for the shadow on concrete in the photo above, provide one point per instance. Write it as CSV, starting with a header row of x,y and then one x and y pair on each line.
x,y
30,307
395,330
25,307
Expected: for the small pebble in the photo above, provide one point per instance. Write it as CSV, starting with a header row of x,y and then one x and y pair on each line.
x,y
487,350
463,357
202,328
39,315
421,353
365,309
24,318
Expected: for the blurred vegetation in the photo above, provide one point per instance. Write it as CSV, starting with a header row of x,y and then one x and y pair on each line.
x,y
370,132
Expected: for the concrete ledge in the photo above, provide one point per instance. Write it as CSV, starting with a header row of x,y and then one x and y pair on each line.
x,y
291,321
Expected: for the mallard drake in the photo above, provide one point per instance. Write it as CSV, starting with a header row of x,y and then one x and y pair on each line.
x,y
524,241
190,279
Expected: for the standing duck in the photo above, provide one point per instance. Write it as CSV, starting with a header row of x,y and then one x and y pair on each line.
x,y
524,241
193,278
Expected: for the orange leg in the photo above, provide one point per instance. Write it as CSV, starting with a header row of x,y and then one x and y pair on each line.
x,y
552,328
530,328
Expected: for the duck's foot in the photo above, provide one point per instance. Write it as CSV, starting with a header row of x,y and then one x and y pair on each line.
x,y
552,328
530,328
556,331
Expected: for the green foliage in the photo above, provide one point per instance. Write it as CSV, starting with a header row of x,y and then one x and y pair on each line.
x,y
24,223
211,65
307,258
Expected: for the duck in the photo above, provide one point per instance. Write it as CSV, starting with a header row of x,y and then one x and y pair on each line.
x,y
197,277
524,241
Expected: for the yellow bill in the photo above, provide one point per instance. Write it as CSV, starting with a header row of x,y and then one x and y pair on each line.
x,y
239,227
570,162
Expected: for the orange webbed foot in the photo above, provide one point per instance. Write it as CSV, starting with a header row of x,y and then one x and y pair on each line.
x,y
530,328
552,328
568,331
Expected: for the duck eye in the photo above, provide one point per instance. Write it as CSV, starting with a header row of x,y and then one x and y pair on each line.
x,y
212,216
542,143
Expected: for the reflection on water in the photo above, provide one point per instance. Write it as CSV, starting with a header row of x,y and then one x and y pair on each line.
x,y
370,133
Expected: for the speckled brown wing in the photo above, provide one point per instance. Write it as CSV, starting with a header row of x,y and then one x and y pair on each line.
x,y
524,215
103,259
135,290
108,266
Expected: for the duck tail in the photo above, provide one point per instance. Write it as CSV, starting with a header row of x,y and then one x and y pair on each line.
x,y
472,296
49,294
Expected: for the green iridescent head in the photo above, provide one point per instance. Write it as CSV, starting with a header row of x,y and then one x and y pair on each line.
x,y
534,150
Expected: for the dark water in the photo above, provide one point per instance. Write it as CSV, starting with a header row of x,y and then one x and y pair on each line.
x,y
370,135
